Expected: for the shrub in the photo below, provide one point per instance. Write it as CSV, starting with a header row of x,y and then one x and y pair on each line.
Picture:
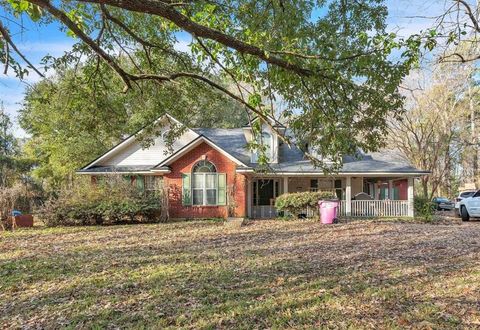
x,y
294,203
113,201
424,208
21,196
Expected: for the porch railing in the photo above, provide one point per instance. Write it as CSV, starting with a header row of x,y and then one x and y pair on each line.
x,y
268,212
264,212
369,208
376,208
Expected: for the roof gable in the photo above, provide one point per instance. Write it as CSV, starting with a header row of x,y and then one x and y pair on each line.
x,y
192,145
130,152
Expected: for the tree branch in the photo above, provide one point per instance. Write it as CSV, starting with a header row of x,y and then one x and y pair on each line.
x,y
163,9
6,36
61,16
470,14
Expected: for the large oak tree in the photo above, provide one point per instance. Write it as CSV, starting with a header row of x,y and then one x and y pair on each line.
x,y
330,62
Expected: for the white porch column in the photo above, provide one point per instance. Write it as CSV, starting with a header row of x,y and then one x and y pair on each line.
x,y
348,196
285,184
390,189
249,197
410,197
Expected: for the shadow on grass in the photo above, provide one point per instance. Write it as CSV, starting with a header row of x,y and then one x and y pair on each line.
x,y
195,275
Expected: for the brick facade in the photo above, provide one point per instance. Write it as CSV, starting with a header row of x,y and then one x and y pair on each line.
x,y
236,185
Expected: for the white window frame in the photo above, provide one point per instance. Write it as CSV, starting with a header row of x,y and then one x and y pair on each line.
x,y
151,183
204,187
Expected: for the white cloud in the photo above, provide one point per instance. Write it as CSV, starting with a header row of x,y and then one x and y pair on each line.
x,y
44,48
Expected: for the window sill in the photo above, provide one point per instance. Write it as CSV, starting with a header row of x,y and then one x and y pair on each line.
x,y
207,205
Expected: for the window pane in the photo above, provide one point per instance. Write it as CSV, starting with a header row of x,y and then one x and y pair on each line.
x,y
198,181
204,166
211,196
267,142
211,181
150,182
197,197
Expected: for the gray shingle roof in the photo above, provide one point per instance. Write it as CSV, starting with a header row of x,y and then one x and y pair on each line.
x,y
231,140
291,159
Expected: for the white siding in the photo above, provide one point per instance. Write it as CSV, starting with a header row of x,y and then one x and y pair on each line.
x,y
274,147
133,153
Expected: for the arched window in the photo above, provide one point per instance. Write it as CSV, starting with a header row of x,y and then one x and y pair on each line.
x,y
204,166
204,183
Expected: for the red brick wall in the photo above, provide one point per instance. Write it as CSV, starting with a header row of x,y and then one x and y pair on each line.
x,y
236,185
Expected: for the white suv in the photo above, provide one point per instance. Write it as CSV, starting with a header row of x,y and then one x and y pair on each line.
x,y
470,206
462,195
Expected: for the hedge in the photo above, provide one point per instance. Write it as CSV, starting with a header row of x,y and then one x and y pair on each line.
x,y
295,203
109,203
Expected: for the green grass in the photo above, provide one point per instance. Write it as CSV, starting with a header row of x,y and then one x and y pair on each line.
x,y
269,274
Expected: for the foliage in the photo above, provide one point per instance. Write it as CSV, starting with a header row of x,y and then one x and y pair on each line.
x,y
21,196
14,166
424,208
112,202
455,34
337,73
69,126
294,203
435,131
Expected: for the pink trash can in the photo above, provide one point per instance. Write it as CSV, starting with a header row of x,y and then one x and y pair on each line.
x,y
328,211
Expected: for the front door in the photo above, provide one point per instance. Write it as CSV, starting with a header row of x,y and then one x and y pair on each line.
x,y
264,192
263,198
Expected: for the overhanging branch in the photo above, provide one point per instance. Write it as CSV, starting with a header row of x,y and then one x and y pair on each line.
x,y
163,9
8,40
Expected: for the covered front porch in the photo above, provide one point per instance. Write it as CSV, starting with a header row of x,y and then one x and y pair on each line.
x,y
360,196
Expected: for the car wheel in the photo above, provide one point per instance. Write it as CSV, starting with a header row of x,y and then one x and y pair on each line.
x,y
464,213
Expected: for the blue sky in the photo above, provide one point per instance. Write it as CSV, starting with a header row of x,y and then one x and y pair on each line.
x,y
35,42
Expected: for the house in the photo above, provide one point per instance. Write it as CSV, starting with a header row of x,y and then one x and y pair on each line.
x,y
209,172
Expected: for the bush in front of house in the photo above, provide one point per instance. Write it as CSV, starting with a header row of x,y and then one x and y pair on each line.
x,y
114,201
424,208
296,203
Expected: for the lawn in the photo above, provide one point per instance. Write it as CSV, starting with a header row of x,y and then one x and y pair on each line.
x,y
269,274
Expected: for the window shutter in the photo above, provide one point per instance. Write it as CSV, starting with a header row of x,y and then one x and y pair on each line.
x,y
100,180
140,183
396,193
186,189
222,189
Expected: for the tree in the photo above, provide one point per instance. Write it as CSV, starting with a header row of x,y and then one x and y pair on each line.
x,y
8,148
66,118
13,166
455,32
330,61
433,131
